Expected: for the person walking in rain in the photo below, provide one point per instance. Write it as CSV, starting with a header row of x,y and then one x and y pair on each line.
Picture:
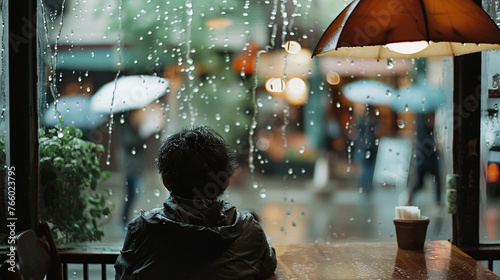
x,y
427,157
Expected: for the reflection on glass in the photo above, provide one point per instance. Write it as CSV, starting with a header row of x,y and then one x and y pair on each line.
x,y
288,121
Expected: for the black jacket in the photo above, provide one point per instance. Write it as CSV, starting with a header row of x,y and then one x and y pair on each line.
x,y
195,239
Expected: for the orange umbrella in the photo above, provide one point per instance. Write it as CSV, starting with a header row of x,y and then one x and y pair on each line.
x,y
367,28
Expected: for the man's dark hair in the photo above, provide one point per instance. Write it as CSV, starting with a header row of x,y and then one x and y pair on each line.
x,y
196,163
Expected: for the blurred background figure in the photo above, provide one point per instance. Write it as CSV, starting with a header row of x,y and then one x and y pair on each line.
x,y
427,157
132,164
365,146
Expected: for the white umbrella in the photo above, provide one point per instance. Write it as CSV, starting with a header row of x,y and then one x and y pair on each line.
x,y
128,93
419,98
369,92
73,110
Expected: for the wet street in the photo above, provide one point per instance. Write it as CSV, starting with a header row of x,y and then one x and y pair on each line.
x,y
297,211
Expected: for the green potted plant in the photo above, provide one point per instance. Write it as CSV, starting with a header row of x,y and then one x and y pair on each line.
x,y
69,175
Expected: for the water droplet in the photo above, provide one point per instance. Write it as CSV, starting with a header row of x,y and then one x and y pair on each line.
x,y
293,223
263,193
133,151
144,146
302,149
60,134
290,171
255,185
157,192
227,128
401,124
390,63
388,93
217,116
122,120
368,154
351,220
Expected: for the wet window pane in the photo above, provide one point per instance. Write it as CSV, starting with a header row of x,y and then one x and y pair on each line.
x,y
489,151
327,147
490,193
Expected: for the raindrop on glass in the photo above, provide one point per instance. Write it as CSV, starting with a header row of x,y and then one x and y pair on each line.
x,y
157,192
302,149
263,193
368,154
390,63
133,151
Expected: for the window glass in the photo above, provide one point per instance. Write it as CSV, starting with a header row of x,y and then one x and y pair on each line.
x,y
490,151
327,147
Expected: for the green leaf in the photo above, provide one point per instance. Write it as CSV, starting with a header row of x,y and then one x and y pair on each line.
x,y
105,175
95,213
106,211
79,133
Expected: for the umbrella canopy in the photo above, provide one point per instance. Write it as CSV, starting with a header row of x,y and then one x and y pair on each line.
x,y
419,99
450,27
369,92
128,93
73,110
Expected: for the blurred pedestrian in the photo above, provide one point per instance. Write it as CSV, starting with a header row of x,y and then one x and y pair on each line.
x,y
427,157
132,165
365,146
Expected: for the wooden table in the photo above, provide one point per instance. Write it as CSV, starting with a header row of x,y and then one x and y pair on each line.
x,y
438,260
